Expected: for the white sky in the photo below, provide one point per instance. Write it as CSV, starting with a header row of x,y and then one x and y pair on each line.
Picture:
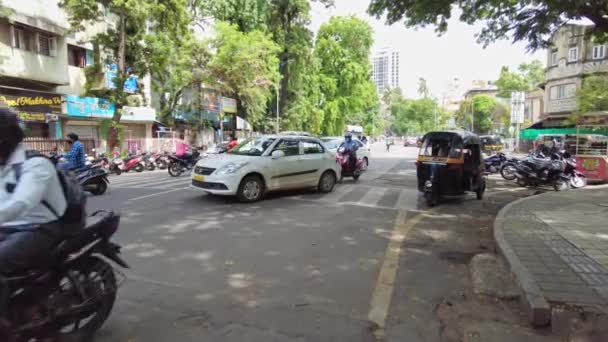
x,y
438,59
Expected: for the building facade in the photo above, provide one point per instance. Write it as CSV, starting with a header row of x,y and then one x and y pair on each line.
x,y
572,58
42,68
385,73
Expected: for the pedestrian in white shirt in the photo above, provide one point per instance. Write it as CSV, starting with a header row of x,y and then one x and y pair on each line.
x,y
31,200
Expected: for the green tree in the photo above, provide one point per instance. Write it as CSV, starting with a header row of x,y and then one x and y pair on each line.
x,y
244,65
593,95
343,47
530,20
418,116
528,77
131,43
486,111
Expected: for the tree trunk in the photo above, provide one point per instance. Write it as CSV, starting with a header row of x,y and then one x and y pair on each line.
x,y
113,132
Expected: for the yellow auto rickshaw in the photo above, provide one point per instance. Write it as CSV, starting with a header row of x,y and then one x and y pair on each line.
x,y
450,163
491,144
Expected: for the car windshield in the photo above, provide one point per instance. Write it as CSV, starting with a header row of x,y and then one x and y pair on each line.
x,y
253,146
332,144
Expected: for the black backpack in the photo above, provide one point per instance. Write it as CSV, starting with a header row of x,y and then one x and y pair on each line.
x,y
74,217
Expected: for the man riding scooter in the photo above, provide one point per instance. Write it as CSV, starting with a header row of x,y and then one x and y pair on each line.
x,y
351,147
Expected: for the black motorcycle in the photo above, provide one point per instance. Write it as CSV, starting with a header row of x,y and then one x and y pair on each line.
x,y
493,163
71,292
179,165
92,178
537,171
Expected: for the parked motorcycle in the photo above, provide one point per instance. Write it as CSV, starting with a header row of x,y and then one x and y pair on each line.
x,y
92,178
135,163
149,161
536,171
577,178
343,159
70,294
162,160
178,165
494,162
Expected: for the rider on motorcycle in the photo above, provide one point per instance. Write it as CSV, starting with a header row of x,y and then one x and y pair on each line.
x,y
31,200
183,150
351,147
76,157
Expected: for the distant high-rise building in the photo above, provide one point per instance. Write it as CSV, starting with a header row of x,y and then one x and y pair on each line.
x,y
386,69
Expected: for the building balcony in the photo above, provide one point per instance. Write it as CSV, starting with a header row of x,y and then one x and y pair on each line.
x,y
576,69
32,66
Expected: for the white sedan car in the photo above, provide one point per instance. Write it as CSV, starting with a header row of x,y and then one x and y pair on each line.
x,y
363,151
268,163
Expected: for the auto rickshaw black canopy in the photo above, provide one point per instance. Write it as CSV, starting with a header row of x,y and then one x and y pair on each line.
x,y
467,137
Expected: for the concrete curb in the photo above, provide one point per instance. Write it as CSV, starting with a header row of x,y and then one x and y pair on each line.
x,y
539,310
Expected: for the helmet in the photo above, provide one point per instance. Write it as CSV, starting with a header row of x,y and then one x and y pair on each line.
x,y
348,137
11,133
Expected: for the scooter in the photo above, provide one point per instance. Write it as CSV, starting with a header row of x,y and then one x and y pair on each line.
x,y
149,161
542,171
93,179
343,159
574,172
135,163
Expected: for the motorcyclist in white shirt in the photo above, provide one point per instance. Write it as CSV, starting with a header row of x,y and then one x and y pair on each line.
x,y
31,200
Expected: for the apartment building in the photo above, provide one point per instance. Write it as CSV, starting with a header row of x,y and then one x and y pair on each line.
x,y
42,74
572,58
385,73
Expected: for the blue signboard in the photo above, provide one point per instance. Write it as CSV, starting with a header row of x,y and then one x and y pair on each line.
x,y
130,85
88,106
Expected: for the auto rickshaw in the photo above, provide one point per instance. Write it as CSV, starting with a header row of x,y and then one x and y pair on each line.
x,y
450,163
491,144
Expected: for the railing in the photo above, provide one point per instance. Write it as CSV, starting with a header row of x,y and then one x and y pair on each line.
x,y
45,145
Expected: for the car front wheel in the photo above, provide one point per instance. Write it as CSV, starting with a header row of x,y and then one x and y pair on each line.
x,y
251,189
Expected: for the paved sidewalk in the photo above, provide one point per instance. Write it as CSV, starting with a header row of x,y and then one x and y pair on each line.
x,y
556,244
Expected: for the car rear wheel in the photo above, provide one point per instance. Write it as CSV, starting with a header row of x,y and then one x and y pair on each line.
x,y
251,189
327,182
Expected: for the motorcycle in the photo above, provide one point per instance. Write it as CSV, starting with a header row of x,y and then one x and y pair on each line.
x,y
92,178
70,294
343,159
149,161
577,178
493,163
135,163
178,165
161,161
537,171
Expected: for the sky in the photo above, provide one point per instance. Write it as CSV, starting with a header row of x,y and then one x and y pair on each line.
x,y
439,60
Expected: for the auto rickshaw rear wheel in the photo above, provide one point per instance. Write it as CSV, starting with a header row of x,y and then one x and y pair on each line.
x,y
480,191
431,199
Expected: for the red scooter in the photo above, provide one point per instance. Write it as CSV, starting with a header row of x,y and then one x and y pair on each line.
x,y
343,159
135,163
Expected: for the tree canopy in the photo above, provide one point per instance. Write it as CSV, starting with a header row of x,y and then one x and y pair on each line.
x,y
416,116
522,20
342,48
593,95
485,111
528,77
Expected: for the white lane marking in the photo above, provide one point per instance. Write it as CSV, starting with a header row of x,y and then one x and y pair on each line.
x,y
157,183
383,291
372,197
155,194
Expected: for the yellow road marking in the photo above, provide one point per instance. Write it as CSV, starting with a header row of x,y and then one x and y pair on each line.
x,y
383,291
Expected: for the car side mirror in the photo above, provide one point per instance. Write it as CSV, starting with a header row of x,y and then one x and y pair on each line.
x,y
277,154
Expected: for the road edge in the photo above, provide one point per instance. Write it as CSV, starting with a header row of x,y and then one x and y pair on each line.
x,y
539,310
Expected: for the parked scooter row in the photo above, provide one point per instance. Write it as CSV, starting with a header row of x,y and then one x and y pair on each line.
x,y
93,177
559,170
137,163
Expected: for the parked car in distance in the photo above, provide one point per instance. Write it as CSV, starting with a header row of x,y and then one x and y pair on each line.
x,y
267,163
410,141
363,152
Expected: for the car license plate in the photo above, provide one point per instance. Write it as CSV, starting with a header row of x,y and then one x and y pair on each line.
x,y
199,178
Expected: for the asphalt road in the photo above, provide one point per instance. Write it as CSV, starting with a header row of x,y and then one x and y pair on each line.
x,y
366,262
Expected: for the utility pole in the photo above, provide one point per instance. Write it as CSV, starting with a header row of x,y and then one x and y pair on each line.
x,y
473,115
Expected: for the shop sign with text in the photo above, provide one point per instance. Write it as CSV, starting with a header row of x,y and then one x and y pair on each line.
x,y
31,105
88,107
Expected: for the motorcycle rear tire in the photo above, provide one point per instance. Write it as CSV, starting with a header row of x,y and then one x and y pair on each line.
x,y
118,171
162,165
175,170
151,167
138,168
522,182
561,185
